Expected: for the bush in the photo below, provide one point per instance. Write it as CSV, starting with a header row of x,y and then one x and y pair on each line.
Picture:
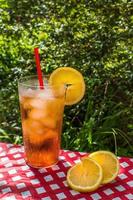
x,y
92,36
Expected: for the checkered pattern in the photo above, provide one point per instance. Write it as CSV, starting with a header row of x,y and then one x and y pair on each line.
x,y
18,181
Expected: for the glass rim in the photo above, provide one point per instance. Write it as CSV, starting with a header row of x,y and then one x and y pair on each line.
x,y
21,82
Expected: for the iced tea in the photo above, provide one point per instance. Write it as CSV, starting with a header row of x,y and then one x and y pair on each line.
x,y
42,114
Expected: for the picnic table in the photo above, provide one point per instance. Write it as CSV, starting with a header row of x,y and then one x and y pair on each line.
x,y
19,181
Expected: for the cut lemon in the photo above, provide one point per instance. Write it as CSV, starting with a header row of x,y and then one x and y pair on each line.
x,y
74,81
109,163
85,176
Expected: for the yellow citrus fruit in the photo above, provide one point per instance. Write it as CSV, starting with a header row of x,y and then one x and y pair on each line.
x,y
74,81
85,176
109,163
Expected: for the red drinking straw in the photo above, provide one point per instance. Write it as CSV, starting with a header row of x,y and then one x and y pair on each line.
x,y
38,66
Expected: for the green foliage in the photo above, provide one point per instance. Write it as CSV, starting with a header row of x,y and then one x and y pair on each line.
x,y
94,37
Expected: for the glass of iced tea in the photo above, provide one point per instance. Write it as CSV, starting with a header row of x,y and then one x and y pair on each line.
x,y
42,115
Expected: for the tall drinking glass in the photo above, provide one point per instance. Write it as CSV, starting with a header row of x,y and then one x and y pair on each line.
x,y
42,115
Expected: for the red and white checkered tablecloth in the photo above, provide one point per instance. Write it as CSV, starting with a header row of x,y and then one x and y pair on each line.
x,y
18,181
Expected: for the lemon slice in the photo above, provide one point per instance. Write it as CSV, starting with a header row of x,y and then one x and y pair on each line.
x,y
85,176
109,163
74,81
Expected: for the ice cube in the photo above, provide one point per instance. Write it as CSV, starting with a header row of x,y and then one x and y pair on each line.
x,y
27,92
26,98
49,122
38,103
45,94
25,101
50,134
30,92
37,114
44,117
34,131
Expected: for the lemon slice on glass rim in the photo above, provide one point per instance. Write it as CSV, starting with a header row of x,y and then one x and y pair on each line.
x,y
73,80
